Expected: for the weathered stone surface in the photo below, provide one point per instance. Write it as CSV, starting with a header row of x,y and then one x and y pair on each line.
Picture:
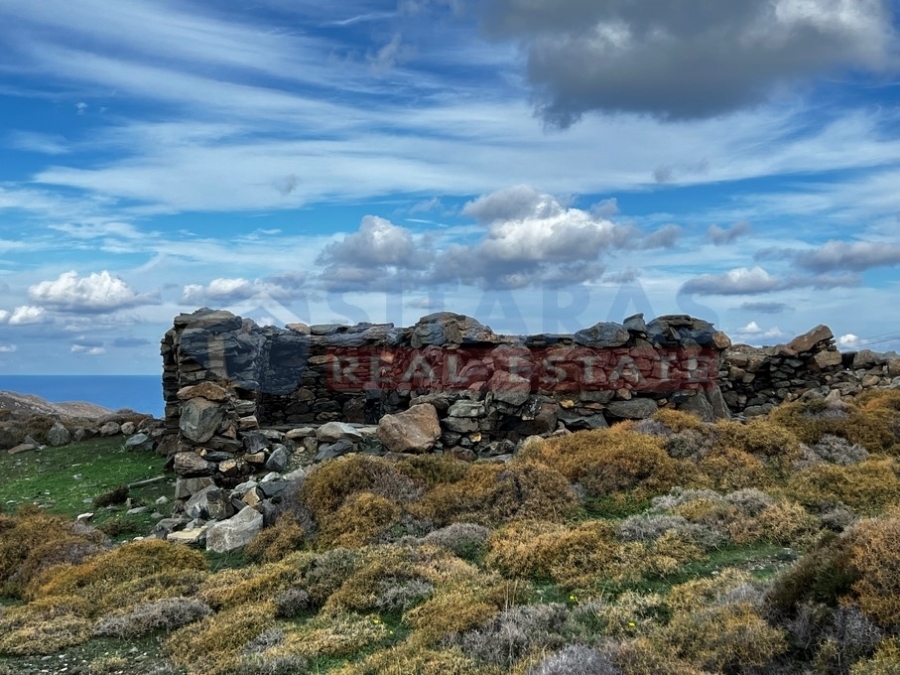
x,y
699,405
193,537
509,388
866,358
198,505
444,328
806,342
635,409
466,408
460,425
827,359
248,423
278,460
58,435
185,487
127,428
255,442
298,434
604,335
110,429
414,430
208,390
336,431
22,447
192,464
332,450
576,422
140,443
235,532
199,419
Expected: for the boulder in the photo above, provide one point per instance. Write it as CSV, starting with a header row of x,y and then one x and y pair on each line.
x,y
278,460
191,537
185,487
336,449
337,431
110,429
444,328
128,428
58,435
604,335
235,532
414,430
208,390
140,443
635,409
199,419
192,464
806,342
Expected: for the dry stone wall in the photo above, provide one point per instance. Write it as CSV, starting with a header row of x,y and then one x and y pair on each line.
x,y
243,400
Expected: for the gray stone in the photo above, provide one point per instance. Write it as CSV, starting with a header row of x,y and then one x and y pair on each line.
x,y
198,505
604,335
278,460
336,431
110,429
635,324
700,406
255,442
192,464
192,537
865,359
460,425
298,434
575,422
185,487
332,450
273,488
199,419
235,532
414,430
635,409
128,428
58,435
828,359
464,408
140,443
509,388
806,342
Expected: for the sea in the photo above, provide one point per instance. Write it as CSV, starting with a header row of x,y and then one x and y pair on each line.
x,y
141,393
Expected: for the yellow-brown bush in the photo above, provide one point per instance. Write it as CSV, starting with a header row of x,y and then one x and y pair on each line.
x,y
45,626
730,469
31,541
275,542
810,421
678,420
333,636
868,487
491,494
875,555
762,438
885,660
246,585
615,460
575,557
640,656
784,523
361,519
213,645
875,428
416,659
97,578
153,587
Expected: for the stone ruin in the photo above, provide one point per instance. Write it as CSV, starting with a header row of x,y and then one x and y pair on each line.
x,y
244,402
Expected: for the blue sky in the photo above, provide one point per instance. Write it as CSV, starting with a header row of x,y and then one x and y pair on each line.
x,y
539,165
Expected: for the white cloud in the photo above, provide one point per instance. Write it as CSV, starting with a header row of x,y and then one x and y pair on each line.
x,y
26,315
228,290
101,292
848,340
747,281
8,349
88,350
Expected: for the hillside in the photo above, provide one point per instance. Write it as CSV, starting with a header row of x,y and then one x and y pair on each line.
x,y
29,404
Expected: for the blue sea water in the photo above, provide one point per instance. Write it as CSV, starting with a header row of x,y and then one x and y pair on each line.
x,y
142,393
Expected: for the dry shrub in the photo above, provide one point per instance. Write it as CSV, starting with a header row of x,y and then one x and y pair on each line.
x,y
679,420
325,573
334,636
46,637
118,495
868,488
214,645
165,615
630,615
244,585
32,541
415,659
613,460
291,603
168,584
429,470
716,624
332,483
577,660
491,494
97,578
647,528
824,575
809,421
875,555
885,661
515,634
578,557
640,656
466,540
875,428
361,519
762,438
785,523
450,610
276,542
731,469
839,450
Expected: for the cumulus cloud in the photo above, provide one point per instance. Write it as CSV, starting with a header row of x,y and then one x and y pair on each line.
x,y
848,340
513,203
8,349
24,316
756,280
683,60
727,235
88,350
228,290
377,243
101,292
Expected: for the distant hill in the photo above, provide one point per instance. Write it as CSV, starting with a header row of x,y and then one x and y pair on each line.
x,y
29,404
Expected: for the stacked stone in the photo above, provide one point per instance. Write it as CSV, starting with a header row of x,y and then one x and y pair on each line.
x,y
756,380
